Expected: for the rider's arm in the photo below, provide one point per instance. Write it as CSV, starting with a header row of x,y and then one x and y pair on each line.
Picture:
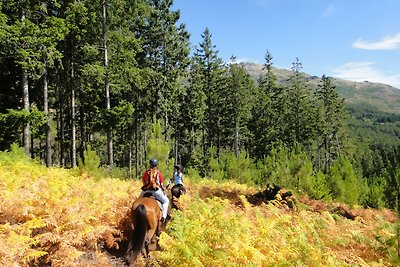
x,y
160,178
144,178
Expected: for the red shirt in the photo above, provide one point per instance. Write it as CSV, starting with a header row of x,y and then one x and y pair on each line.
x,y
146,175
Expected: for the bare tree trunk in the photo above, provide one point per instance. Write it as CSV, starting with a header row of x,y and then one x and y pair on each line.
x,y
49,162
82,130
73,119
26,133
130,161
237,138
107,88
176,142
60,128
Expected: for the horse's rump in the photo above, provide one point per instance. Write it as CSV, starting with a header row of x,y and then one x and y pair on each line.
x,y
176,191
146,215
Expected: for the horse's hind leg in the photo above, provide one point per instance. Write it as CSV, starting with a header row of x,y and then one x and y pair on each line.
x,y
146,247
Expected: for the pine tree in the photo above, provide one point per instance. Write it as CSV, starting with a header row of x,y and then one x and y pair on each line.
x,y
192,114
331,126
32,32
300,118
210,72
165,50
236,101
268,112
344,183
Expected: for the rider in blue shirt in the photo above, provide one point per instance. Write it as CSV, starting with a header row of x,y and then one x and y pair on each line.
x,y
178,179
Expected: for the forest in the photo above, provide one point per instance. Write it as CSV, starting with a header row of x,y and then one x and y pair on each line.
x,y
112,76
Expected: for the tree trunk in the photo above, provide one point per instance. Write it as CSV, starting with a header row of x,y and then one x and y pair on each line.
x,y
49,162
237,138
60,126
130,161
26,133
82,130
107,88
73,119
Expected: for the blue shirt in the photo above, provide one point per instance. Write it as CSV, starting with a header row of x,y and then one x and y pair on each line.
x,y
178,178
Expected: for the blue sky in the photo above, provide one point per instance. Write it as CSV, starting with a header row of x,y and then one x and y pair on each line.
x,y
355,40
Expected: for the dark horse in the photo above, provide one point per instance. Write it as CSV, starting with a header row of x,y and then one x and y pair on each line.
x,y
146,215
177,190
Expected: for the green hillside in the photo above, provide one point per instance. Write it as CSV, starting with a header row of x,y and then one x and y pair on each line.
x,y
374,108
381,97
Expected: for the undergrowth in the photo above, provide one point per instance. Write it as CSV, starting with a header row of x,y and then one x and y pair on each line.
x,y
54,216
58,217
214,231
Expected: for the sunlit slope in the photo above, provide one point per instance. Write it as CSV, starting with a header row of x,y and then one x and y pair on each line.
x,y
228,231
52,215
57,217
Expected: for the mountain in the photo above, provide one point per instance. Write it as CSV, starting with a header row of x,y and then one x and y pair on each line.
x,y
375,96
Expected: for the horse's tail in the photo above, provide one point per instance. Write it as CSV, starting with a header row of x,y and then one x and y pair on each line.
x,y
140,229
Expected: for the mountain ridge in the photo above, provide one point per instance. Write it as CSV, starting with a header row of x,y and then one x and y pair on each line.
x,y
381,96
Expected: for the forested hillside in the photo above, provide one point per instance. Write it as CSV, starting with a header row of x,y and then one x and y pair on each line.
x,y
111,76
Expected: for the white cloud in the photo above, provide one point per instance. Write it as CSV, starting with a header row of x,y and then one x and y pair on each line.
x,y
246,60
365,71
387,43
329,11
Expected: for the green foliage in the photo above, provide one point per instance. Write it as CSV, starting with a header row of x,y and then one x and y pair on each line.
x,y
194,175
90,163
319,187
332,117
12,122
392,190
15,154
374,196
344,183
290,169
241,168
215,168
158,148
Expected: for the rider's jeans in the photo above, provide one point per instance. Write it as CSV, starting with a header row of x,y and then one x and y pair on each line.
x,y
159,194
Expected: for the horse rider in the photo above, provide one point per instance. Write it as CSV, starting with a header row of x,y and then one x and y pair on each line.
x,y
153,182
178,179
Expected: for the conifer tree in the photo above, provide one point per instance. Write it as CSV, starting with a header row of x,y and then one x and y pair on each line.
x,y
210,70
236,100
343,181
300,119
268,112
331,126
193,114
32,31
165,50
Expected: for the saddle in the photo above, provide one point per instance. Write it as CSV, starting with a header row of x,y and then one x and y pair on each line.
x,y
151,195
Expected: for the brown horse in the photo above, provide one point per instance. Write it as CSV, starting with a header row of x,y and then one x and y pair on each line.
x,y
146,215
